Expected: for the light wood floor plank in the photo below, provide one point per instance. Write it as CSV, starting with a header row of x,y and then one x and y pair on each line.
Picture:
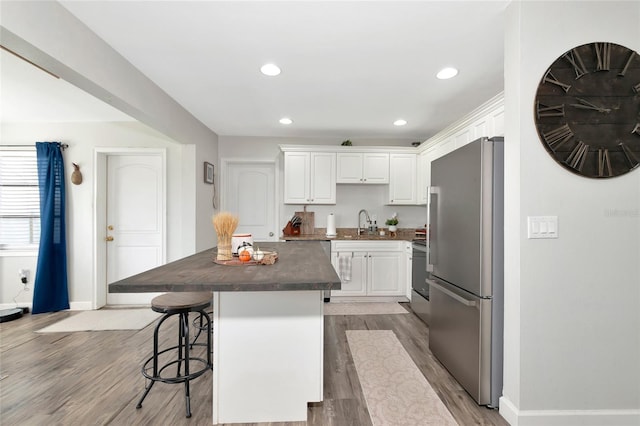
x,y
93,378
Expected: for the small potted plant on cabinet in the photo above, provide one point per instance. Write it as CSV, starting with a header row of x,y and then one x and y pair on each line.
x,y
392,223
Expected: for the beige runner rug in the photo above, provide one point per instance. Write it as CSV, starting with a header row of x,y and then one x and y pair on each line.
x,y
363,308
104,319
395,390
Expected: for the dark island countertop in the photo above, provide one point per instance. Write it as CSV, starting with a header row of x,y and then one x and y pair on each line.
x,y
300,266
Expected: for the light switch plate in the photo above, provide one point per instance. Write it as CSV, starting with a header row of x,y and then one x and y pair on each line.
x,y
542,227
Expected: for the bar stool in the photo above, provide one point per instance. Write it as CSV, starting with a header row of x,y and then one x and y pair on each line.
x,y
180,304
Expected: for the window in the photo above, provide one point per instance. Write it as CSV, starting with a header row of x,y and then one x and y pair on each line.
x,y
19,200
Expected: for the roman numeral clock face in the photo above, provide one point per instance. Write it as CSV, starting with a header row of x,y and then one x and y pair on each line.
x,y
587,110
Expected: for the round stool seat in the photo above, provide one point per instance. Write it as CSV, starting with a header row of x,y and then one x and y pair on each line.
x,y
181,302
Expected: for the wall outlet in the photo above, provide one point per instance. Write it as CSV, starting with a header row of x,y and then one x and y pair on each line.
x,y
24,274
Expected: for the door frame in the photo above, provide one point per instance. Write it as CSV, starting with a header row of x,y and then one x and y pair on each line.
x,y
100,214
224,178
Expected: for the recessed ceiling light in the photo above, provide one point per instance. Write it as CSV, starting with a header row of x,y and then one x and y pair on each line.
x,y
446,73
400,122
286,120
270,70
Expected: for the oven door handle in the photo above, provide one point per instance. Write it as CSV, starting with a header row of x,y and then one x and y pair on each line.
x,y
419,247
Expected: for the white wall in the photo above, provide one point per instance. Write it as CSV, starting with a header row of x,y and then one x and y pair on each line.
x,y
82,139
48,35
349,198
200,195
572,317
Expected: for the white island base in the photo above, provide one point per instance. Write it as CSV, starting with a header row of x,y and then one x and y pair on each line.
x,y
267,355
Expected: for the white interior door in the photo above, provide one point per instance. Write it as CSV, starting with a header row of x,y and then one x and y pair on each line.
x,y
135,221
250,194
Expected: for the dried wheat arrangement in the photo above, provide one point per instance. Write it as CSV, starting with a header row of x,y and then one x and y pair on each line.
x,y
225,224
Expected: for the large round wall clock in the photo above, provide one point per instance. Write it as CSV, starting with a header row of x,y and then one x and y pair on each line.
x,y
587,110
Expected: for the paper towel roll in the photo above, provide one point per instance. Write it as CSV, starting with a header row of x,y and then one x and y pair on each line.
x,y
331,225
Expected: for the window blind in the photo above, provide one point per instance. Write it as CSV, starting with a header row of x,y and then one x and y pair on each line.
x,y
19,200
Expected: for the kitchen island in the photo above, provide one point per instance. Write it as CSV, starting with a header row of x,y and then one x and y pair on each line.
x,y
268,327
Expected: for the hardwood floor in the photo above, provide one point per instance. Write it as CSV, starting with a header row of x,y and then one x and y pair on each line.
x,y
93,378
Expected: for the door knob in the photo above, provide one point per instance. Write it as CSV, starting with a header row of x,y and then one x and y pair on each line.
x,y
271,234
109,238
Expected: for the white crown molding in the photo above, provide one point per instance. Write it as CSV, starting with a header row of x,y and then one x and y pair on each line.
x,y
482,111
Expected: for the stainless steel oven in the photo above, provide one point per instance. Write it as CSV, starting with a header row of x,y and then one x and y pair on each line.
x,y
419,287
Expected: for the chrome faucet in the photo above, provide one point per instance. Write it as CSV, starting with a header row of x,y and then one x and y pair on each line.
x,y
366,217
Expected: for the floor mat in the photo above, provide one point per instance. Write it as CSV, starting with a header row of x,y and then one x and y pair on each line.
x,y
363,308
104,319
395,390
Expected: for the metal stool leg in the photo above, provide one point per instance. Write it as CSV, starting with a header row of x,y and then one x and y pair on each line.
x,y
185,343
209,345
155,360
146,392
200,326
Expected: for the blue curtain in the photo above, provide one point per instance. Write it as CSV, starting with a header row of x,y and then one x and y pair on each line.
x,y
50,292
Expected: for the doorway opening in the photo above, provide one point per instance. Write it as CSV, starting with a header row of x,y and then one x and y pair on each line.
x,y
138,169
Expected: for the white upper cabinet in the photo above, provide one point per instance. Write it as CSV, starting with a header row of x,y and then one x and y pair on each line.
x,y
363,167
349,167
309,178
424,177
402,179
376,167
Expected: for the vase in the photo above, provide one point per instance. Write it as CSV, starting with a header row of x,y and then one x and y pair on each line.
x,y
393,228
224,250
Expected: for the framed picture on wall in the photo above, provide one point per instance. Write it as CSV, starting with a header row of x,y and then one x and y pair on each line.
x,y
208,173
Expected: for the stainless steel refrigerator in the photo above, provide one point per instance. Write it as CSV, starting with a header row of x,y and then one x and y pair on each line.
x,y
466,266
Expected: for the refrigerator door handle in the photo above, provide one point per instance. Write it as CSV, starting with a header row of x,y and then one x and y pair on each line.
x,y
452,294
432,211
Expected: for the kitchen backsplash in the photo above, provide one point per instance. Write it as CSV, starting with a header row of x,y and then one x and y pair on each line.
x,y
350,199
351,234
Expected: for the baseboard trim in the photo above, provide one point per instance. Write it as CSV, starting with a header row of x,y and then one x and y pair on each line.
x,y
376,299
81,306
14,305
517,417
73,306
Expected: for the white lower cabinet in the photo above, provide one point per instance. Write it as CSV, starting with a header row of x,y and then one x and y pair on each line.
x,y
377,268
385,272
357,285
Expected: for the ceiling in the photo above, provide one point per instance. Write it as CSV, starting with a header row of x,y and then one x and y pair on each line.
x,y
349,69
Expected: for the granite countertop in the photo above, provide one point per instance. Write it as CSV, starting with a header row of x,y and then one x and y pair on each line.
x,y
351,234
300,266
